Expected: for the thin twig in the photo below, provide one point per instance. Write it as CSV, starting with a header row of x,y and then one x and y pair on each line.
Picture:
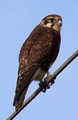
x,y
70,59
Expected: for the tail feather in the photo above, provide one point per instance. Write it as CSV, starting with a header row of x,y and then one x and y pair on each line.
x,y
23,81
20,100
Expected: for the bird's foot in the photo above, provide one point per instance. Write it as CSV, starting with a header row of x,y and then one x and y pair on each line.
x,y
48,76
44,85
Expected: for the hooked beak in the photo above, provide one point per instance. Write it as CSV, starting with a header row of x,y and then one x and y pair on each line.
x,y
59,23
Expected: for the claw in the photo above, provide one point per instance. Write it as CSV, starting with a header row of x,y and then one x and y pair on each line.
x,y
52,82
44,85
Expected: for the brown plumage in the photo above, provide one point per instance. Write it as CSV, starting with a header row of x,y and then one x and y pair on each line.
x,y
37,55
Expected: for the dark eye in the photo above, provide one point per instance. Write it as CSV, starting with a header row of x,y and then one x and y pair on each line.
x,y
46,21
52,20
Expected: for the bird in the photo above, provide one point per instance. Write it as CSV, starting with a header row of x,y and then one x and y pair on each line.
x,y
37,54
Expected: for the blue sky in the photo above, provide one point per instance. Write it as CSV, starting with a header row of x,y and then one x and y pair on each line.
x,y
17,20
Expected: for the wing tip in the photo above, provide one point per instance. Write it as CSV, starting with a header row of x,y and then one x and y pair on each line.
x,y
16,105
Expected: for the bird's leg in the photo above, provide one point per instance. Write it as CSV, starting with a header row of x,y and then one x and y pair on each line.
x,y
44,85
48,76
45,80
52,82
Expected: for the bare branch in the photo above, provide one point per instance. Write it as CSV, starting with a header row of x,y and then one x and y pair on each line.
x,y
70,59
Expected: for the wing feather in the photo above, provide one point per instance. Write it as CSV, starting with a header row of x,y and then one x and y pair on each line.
x,y
33,52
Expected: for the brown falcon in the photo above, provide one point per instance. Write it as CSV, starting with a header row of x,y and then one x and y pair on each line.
x,y
37,54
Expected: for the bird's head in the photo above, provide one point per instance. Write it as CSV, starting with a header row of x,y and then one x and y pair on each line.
x,y
52,21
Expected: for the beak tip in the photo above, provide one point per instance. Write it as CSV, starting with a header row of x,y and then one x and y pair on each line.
x,y
59,23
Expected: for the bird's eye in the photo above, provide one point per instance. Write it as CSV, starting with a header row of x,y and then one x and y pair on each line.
x,y
52,20
46,21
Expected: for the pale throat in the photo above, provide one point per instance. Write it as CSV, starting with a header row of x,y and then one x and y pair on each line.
x,y
57,28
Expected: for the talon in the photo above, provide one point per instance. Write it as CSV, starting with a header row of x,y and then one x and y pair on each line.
x,y
43,86
52,81
44,90
47,85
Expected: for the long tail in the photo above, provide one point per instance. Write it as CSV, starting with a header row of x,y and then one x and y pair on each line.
x,y
20,100
23,81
